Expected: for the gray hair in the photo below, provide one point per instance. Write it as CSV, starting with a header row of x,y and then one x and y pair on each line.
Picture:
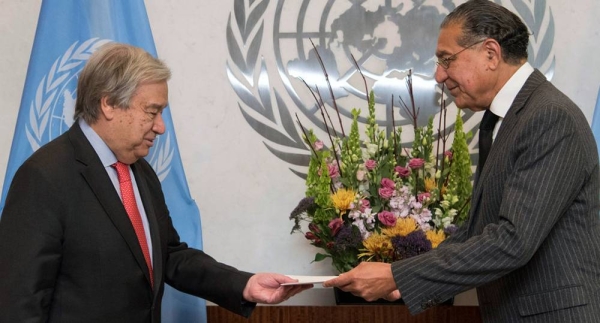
x,y
115,71
485,19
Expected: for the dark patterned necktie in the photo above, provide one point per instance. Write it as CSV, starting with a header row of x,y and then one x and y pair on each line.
x,y
486,130
132,210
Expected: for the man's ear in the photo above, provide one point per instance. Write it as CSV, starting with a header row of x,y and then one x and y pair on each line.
x,y
493,51
108,111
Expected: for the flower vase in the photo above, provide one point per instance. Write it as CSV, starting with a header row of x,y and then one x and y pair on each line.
x,y
346,298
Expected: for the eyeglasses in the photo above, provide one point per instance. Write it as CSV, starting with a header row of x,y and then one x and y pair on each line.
x,y
444,62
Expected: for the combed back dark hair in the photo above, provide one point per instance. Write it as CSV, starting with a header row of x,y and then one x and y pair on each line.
x,y
115,70
485,19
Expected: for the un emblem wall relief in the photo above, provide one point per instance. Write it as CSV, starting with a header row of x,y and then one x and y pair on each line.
x,y
52,109
271,55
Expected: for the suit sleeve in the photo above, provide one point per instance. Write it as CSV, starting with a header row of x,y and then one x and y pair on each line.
x,y
547,172
30,247
192,271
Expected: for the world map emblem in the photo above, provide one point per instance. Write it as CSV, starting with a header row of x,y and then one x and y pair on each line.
x,y
52,109
272,60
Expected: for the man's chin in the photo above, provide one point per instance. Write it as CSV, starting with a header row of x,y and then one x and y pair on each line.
x,y
141,152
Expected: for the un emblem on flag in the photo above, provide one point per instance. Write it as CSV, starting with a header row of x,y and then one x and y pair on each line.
x,y
52,109
387,39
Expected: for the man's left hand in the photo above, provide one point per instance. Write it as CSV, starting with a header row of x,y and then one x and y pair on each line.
x,y
266,288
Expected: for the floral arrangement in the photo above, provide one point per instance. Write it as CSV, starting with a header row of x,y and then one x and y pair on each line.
x,y
374,199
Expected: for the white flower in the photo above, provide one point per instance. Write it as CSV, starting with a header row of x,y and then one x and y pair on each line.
x,y
372,149
452,213
355,214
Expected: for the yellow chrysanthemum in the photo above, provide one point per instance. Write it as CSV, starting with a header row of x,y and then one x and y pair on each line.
x,y
376,245
402,228
430,184
342,199
436,237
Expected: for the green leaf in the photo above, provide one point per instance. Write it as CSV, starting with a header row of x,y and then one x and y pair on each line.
x,y
321,257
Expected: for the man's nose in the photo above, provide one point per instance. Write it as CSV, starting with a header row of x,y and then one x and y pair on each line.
x,y
159,124
440,74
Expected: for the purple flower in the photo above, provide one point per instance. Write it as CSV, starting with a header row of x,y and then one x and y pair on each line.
x,y
304,205
335,225
370,164
416,163
415,243
387,218
451,229
402,171
347,238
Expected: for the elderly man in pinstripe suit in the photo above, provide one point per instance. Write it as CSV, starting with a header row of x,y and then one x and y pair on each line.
x,y
531,245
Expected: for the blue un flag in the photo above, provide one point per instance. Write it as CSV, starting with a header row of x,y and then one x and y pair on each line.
x,y
68,32
596,121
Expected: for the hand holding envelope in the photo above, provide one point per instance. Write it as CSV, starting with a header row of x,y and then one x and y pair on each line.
x,y
369,280
308,280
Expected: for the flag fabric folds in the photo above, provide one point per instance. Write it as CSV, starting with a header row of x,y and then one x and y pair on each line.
x,y
596,121
68,32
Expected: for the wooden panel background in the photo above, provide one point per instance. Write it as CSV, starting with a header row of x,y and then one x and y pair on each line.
x,y
347,314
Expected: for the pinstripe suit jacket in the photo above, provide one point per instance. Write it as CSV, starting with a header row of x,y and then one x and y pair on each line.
x,y
532,242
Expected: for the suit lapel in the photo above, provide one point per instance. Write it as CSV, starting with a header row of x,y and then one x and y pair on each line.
x,y
95,175
505,135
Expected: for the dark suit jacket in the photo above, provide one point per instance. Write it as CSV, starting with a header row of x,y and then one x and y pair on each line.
x,y
68,252
532,242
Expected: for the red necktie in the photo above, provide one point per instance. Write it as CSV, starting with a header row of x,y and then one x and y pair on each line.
x,y
133,211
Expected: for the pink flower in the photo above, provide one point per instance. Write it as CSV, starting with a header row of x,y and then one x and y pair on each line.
x,y
448,154
386,192
334,171
423,196
387,218
364,204
388,183
335,225
402,171
416,163
370,164
360,175
318,145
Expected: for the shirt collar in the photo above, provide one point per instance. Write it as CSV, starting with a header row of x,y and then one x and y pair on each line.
x,y
106,155
509,91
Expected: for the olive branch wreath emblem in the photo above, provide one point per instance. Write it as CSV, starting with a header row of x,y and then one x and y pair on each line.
x,y
254,91
62,69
